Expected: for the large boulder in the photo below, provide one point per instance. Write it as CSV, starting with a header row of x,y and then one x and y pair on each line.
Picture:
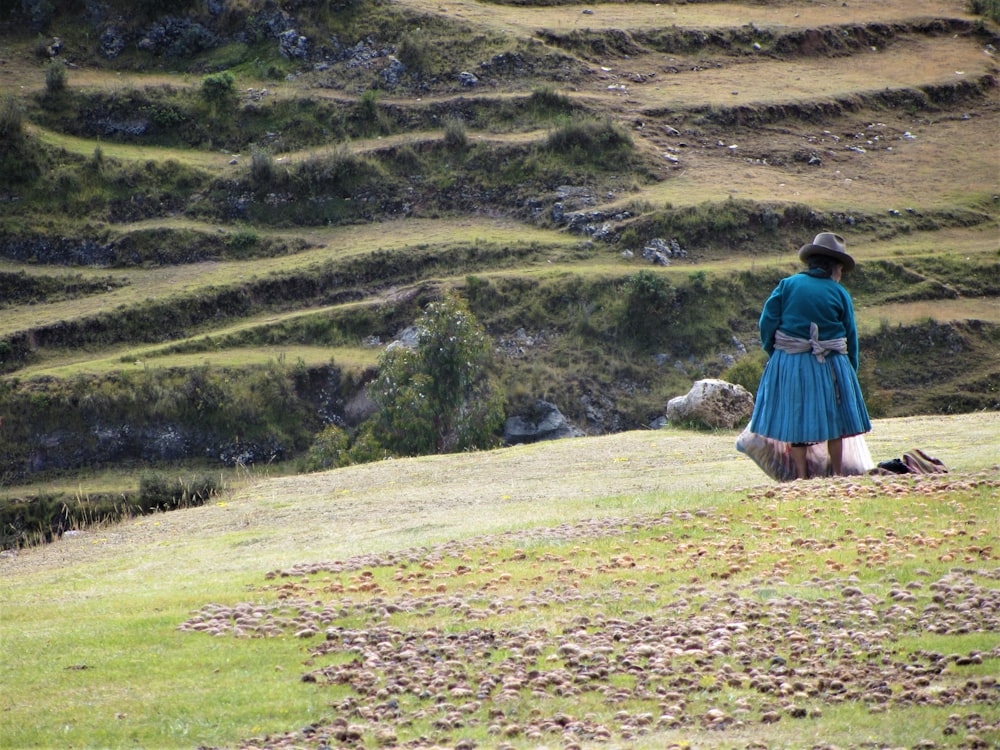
x,y
712,403
543,422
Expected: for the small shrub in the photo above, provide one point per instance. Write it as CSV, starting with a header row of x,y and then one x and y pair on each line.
x,y
747,371
11,120
337,174
55,78
546,100
369,117
165,116
96,163
20,160
630,239
243,241
595,142
368,105
329,450
367,447
262,167
218,89
67,182
406,159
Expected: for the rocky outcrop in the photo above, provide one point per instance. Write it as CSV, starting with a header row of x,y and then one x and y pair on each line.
x,y
543,421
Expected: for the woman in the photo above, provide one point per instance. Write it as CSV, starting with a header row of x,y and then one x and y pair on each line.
x,y
809,392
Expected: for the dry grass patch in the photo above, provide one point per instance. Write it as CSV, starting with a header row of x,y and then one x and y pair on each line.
x,y
699,15
815,79
870,319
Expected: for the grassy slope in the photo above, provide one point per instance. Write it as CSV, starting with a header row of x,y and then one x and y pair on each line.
x,y
91,654
938,166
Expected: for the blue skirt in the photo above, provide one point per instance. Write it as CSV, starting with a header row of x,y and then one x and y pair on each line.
x,y
801,400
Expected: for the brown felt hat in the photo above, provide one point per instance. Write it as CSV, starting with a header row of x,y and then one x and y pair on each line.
x,y
832,246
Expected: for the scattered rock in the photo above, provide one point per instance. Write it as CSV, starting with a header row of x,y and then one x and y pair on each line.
x,y
293,45
712,403
112,43
661,252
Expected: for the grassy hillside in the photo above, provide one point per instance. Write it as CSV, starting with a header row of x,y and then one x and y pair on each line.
x,y
249,200
642,589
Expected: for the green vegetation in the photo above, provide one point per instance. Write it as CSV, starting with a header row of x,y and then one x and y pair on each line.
x,y
749,370
218,89
415,52
19,158
248,415
455,135
441,396
598,143
808,583
988,8
55,78
650,306
26,521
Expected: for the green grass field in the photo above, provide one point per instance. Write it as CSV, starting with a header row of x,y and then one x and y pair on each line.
x,y
665,529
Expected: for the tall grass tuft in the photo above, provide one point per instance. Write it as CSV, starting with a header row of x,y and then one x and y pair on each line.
x,y
369,117
262,167
11,120
596,142
414,51
455,136
546,100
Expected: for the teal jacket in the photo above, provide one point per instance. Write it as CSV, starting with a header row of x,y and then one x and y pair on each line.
x,y
802,299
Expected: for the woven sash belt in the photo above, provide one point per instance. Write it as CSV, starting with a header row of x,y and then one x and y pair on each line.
x,y
819,349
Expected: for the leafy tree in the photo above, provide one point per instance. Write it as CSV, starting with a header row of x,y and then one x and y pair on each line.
x,y
438,397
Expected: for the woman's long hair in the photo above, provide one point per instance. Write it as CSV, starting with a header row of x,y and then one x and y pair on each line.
x,y
822,266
